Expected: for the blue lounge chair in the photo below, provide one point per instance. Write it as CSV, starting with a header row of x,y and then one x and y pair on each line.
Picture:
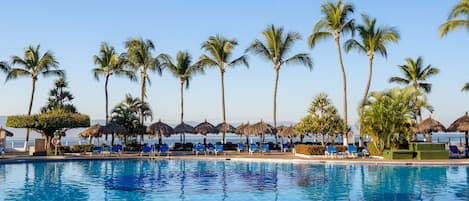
x,y
253,148
453,150
241,147
352,151
146,150
285,147
116,149
210,148
331,151
364,152
97,150
265,148
164,149
199,148
219,149
106,148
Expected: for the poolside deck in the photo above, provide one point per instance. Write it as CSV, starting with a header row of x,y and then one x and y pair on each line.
x,y
231,155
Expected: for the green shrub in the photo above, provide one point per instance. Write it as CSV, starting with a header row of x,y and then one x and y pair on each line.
x,y
372,149
82,148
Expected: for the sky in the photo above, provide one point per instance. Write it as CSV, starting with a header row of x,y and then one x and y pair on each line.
x,y
73,31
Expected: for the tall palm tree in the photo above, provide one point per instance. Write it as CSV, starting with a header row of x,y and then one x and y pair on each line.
x,y
32,65
454,22
373,39
275,48
183,69
415,74
139,54
335,22
220,50
109,63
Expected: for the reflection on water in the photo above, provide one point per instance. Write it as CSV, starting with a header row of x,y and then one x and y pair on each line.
x,y
220,180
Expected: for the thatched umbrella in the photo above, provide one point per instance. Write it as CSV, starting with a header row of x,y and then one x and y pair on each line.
x,y
92,131
205,128
428,126
159,128
260,128
286,131
240,131
112,128
461,125
5,132
225,127
182,129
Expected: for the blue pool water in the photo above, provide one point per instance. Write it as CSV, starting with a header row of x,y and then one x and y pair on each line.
x,y
170,180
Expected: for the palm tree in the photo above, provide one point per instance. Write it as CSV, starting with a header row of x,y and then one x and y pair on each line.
x,y
109,63
415,74
275,47
220,50
335,22
32,65
125,113
454,22
182,69
373,40
139,54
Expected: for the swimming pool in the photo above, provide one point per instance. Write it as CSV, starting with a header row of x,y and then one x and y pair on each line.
x,y
228,180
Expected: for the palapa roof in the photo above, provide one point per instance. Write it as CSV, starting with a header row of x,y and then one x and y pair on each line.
x,y
112,128
7,132
160,128
460,125
225,127
285,131
92,131
429,125
205,127
241,127
184,128
259,128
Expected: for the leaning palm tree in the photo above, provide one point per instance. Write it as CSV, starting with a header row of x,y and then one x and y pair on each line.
x,y
109,63
415,74
32,65
275,48
454,22
373,39
335,22
220,50
183,69
139,55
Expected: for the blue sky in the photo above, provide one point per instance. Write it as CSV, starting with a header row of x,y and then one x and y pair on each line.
x,y
73,31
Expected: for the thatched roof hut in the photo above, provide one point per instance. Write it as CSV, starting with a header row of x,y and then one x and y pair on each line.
x,y
285,131
225,127
259,128
112,128
184,128
240,128
5,133
460,125
92,131
429,125
160,128
205,128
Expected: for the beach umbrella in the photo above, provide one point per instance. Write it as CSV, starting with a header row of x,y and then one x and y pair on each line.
x,y
225,127
182,129
112,128
240,131
5,132
159,128
92,131
461,125
205,128
286,132
260,128
428,126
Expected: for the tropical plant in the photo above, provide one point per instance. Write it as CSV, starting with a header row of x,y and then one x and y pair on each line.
x,y
275,48
373,39
60,98
415,74
139,55
454,21
220,52
388,115
32,65
335,22
110,63
126,114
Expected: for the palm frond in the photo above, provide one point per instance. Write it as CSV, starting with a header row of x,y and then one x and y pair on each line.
x,y
318,36
53,73
466,87
353,44
17,72
399,80
302,58
240,60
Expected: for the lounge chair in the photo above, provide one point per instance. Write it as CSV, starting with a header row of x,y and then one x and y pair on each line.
x,y
285,147
116,149
219,149
352,151
241,147
199,148
265,148
97,150
453,150
210,148
1,151
331,151
253,148
164,149
146,150
364,152
107,148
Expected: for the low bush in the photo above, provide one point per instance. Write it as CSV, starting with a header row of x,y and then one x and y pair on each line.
x,y
78,148
315,149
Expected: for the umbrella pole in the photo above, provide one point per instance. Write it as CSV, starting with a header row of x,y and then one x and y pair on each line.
x,y
180,137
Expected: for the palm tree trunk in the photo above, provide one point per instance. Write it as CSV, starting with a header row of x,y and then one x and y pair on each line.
x,y
277,69
142,92
182,109
223,103
365,96
107,103
31,99
112,139
344,77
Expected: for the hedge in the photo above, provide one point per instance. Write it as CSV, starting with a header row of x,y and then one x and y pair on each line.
x,y
315,150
